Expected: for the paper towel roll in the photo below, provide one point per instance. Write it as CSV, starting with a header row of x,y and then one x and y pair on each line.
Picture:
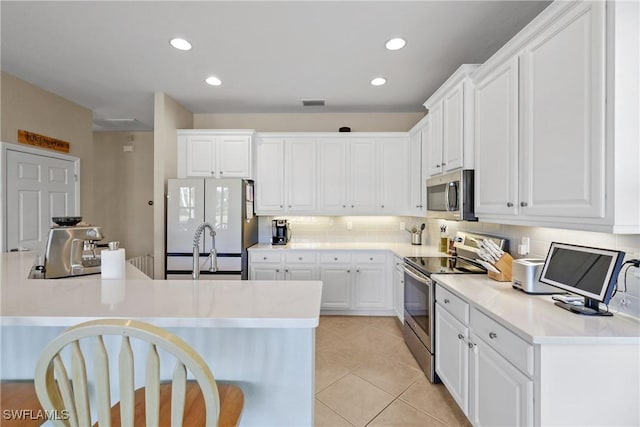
x,y
113,264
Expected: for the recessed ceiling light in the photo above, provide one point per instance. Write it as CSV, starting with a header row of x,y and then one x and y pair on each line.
x,y
213,81
180,44
378,81
395,44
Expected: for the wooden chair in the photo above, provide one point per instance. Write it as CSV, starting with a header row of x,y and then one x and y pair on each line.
x,y
179,402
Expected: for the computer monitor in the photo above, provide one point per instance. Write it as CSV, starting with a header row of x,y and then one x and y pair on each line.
x,y
588,272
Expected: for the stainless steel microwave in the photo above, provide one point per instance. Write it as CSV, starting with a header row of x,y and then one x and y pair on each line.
x,y
450,196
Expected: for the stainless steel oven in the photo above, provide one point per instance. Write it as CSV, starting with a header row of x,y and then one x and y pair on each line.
x,y
419,294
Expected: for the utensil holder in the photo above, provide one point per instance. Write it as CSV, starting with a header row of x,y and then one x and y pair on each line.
x,y
503,264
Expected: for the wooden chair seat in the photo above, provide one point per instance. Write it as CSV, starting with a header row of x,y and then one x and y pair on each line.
x,y
231,403
16,396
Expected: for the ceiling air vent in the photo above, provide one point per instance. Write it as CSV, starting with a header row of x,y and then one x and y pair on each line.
x,y
313,102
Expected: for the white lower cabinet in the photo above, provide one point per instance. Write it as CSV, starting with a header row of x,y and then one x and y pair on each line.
x,y
452,357
476,359
500,395
353,281
398,288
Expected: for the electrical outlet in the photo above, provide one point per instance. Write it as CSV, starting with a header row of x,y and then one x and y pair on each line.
x,y
402,226
523,247
349,225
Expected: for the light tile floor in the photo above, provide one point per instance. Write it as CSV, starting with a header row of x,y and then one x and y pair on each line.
x,y
366,376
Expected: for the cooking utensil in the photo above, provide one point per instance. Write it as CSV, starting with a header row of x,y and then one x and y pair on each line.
x,y
422,227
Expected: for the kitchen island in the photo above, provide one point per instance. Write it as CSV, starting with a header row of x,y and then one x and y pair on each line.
x,y
257,334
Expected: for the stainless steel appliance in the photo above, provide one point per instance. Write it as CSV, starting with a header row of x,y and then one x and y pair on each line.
x,y
228,206
525,274
72,251
419,295
450,196
280,232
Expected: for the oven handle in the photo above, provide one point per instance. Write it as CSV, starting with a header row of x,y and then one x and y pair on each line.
x,y
420,278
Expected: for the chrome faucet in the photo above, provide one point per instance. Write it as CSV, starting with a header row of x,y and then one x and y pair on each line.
x,y
213,255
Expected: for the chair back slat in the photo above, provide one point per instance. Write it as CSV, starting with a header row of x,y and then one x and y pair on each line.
x,y
80,388
152,387
101,371
178,393
65,389
127,388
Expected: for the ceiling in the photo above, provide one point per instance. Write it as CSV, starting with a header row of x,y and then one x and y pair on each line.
x,y
111,56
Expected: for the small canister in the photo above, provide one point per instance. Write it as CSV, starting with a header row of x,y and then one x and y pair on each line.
x,y
416,237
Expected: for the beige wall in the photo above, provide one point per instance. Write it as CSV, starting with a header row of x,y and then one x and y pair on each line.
x,y
125,180
310,122
168,116
25,106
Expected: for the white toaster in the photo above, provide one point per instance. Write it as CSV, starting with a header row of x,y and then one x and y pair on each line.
x,y
525,274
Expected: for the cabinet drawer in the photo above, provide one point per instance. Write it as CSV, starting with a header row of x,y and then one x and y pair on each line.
x,y
453,304
301,257
505,342
335,257
369,258
265,257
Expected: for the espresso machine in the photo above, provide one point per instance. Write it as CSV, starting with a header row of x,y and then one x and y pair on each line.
x,y
280,232
72,251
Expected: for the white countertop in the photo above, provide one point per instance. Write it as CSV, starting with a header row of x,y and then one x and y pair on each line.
x,y
165,303
398,249
535,318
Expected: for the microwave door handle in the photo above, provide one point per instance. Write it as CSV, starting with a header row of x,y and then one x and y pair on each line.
x,y
453,185
447,206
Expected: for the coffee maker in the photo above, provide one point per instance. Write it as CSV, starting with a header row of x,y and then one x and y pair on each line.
x,y
280,232
72,251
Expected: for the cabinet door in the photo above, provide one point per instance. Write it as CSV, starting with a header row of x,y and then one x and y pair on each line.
x,y
266,272
332,175
269,186
452,356
453,128
415,174
398,293
201,155
336,286
496,139
563,117
301,272
370,286
435,140
234,153
393,176
362,191
500,395
300,175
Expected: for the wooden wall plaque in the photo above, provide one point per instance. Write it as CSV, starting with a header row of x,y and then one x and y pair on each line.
x,y
42,141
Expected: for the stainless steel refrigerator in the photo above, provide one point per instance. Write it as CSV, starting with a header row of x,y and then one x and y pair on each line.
x,y
227,204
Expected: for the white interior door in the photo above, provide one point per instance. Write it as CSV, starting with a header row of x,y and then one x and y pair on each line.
x,y
38,188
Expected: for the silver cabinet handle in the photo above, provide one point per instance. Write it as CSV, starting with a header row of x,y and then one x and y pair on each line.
x,y
509,204
335,259
446,301
286,271
523,204
443,164
382,206
281,206
493,335
357,271
352,206
344,206
348,271
213,172
277,271
264,258
437,166
221,172
470,344
371,259
460,336
299,258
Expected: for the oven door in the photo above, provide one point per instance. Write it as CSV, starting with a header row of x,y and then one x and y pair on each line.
x,y
418,305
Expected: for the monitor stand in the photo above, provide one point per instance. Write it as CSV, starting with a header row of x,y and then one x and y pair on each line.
x,y
590,308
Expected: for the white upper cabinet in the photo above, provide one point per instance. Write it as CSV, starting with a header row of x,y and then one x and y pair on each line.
x,y
285,175
451,128
300,175
214,153
563,116
554,139
496,140
393,191
362,175
269,187
332,175
418,139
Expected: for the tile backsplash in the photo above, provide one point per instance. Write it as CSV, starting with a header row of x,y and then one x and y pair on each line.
x,y
387,229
